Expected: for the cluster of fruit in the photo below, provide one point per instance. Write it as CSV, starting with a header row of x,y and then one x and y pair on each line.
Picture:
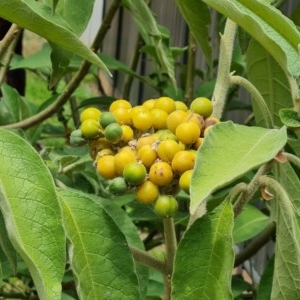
x,y
150,148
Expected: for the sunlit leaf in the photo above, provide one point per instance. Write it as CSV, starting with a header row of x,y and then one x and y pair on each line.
x,y
229,151
32,214
99,254
204,259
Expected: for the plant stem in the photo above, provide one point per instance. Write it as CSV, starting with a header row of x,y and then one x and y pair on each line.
x,y
251,189
295,160
11,34
133,66
75,81
171,247
223,76
190,69
256,96
255,244
143,258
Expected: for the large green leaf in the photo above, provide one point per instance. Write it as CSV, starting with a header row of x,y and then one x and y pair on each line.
x,y
204,259
32,213
197,16
286,279
229,151
249,224
99,254
271,81
131,234
266,24
265,285
39,19
152,35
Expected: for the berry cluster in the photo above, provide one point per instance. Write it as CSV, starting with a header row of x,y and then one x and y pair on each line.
x,y
150,148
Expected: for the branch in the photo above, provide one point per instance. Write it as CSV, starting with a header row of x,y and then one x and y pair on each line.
x,y
75,81
143,258
256,96
223,76
11,34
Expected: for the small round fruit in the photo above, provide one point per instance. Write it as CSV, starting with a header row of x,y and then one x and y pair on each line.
x,y
142,120
117,186
146,140
122,115
165,134
134,173
76,138
107,118
149,104
202,106
147,155
90,128
198,143
165,103
106,167
90,113
188,132
159,117
166,206
161,173
127,133
122,158
183,160
147,192
167,149
175,118
196,118
98,145
119,103
185,181
113,132
181,106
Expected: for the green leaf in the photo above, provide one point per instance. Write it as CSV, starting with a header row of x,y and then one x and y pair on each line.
x,y
229,151
265,284
289,117
6,246
266,24
197,16
39,19
249,224
54,4
14,104
153,36
131,234
286,279
204,259
270,80
32,213
99,255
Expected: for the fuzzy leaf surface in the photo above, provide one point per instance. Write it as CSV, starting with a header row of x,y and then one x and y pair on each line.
x,y
204,259
32,214
266,24
229,151
38,18
99,254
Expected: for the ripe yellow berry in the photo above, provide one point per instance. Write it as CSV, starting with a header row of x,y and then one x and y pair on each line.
x,y
106,167
161,173
188,132
147,192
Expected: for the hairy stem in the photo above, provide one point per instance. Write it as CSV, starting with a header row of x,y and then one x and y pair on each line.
x,y
11,34
295,160
256,96
144,258
171,247
223,76
255,245
189,84
75,81
251,189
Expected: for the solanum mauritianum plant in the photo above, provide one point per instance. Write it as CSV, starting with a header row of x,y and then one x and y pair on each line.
x,y
244,187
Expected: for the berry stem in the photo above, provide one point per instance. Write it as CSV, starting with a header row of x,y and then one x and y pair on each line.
x,y
171,247
223,76
144,258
